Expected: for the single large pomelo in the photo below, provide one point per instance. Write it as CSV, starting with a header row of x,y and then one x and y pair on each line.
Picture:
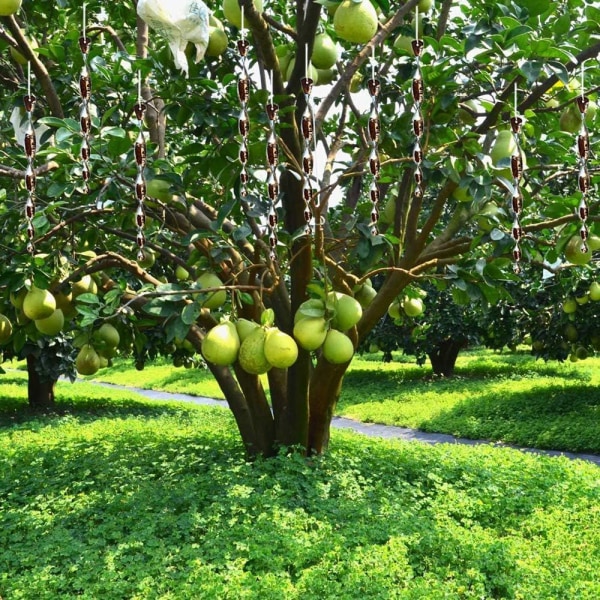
x,y
347,310
9,7
574,252
5,329
221,344
280,348
355,21
325,52
87,361
233,13
252,353
51,325
310,332
245,327
214,299
38,304
108,335
338,347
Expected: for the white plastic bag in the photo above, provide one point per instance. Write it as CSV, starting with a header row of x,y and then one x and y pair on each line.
x,y
180,21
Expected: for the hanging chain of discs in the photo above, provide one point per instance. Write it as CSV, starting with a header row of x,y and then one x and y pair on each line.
x,y
308,162
30,144
583,178
272,110
418,124
374,129
85,121
516,167
243,89
139,150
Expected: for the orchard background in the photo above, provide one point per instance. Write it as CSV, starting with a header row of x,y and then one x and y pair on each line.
x,y
220,246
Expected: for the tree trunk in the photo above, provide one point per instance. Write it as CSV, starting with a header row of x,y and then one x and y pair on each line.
x,y
443,358
40,393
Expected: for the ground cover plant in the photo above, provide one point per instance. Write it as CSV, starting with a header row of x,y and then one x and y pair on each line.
x,y
510,397
120,497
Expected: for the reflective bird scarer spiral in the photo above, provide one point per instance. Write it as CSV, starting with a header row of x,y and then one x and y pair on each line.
x,y
85,121
374,130
516,167
583,177
139,150
418,124
272,110
30,144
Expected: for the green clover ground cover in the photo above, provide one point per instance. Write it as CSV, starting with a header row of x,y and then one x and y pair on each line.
x,y
118,497
510,398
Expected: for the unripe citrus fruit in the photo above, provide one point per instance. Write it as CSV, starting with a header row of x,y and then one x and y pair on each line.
x,y
310,332
217,42
214,299
233,12
355,21
569,306
314,307
504,146
38,304
365,295
87,361
252,353
109,335
347,310
280,348
86,285
51,325
394,310
9,7
245,327
338,347
325,52
574,253
5,329
413,307
221,344
181,273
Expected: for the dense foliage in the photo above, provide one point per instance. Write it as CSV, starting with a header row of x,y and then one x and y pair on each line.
x,y
202,219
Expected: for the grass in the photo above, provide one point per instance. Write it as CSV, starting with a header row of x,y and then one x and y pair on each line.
x,y
510,398
118,497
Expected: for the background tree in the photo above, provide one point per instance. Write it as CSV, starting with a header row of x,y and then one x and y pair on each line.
x,y
200,220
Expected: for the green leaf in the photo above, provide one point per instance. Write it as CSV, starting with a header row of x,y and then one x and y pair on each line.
x,y
190,313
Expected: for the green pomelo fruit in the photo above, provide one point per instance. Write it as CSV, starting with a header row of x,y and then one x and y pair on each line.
x,y
574,253
217,42
233,13
325,52
252,353
5,329
38,304
569,306
394,310
312,71
425,6
148,258
347,310
338,347
571,333
413,307
310,332
221,344
504,146
18,57
87,361
51,325
365,295
325,76
86,285
159,189
9,7
355,22
245,327
214,299
108,335
181,273
281,349
594,291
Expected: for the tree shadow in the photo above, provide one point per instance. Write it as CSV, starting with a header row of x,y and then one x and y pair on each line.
x,y
558,417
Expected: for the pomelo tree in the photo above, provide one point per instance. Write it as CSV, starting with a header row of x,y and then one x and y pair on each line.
x,y
273,214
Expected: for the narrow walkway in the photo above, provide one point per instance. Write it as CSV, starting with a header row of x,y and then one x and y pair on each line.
x,y
370,429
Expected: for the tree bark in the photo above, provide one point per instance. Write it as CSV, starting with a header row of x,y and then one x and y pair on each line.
x,y
40,393
443,358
